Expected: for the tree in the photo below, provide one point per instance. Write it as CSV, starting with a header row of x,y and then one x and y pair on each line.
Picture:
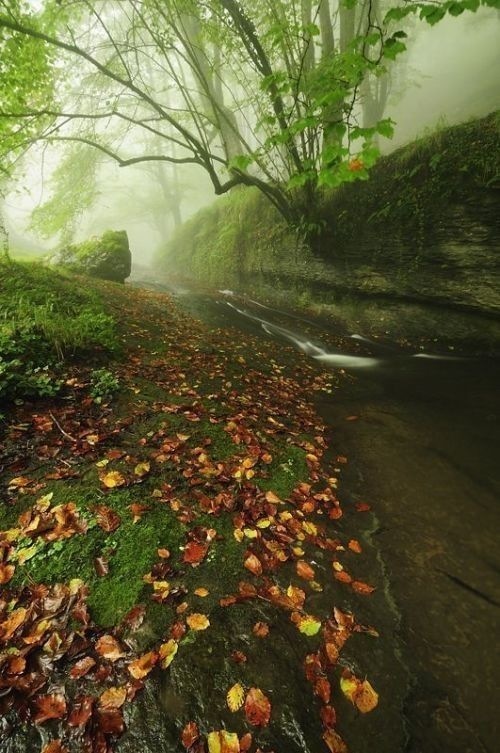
x,y
261,93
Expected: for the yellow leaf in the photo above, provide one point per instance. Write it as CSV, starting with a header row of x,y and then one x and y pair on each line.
x,y
112,479
238,535
250,533
198,621
142,468
201,592
348,686
235,697
102,463
308,624
264,523
223,742
309,528
167,652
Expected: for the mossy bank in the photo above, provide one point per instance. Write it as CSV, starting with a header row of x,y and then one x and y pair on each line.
x,y
422,232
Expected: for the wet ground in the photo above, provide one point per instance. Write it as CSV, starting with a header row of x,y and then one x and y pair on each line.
x,y
421,437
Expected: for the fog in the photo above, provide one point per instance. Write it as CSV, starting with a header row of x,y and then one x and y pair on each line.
x,y
450,73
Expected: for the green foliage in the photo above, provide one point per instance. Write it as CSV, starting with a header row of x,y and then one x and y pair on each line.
x,y
45,317
104,384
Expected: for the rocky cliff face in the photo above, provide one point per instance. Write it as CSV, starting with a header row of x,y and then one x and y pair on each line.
x,y
423,230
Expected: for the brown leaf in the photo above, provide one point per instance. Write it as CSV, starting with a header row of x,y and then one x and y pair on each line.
x,y
11,624
246,742
101,566
334,742
51,706
55,746
109,647
253,564
190,734
257,708
81,711
81,667
354,546
138,510
107,519
6,572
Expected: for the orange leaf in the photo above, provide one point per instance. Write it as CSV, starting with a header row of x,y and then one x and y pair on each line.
x,y
334,742
246,742
167,652
304,570
202,592
55,746
198,621
113,698
253,564
10,625
142,666
354,546
362,588
257,708
6,572
260,629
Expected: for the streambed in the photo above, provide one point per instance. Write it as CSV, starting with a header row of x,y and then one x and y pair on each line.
x,y
420,430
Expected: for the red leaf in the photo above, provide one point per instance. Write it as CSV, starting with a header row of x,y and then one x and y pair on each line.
x,y
257,708
190,734
362,588
194,552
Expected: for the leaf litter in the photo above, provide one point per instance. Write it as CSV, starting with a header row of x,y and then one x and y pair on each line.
x,y
47,630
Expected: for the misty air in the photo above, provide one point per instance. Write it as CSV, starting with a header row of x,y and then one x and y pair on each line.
x,y
249,368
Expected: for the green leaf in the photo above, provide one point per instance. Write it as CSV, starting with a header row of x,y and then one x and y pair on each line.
x,y
240,162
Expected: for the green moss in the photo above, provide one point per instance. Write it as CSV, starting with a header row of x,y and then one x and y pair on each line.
x,y
288,468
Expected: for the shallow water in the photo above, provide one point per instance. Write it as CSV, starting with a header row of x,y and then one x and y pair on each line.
x,y
422,442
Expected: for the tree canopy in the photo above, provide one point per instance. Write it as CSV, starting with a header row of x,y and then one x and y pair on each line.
x,y
264,93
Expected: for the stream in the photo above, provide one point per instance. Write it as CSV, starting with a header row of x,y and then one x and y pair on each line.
x,y
420,431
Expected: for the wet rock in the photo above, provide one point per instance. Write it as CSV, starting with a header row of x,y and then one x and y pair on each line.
x,y
107,257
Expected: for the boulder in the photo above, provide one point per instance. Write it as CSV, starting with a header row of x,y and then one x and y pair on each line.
x,y
107,257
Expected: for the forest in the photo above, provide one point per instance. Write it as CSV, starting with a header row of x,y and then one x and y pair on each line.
x,y
249,367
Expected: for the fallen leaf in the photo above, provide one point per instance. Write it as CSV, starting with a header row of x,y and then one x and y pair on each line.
x,y
194,552
167,652
51,706
113,698
108,647
235,697
257,708
253,564
354,546
334,742
359,692
6,572
81,711
142,666
107,519
260,629
198,621
112,479
142,468
246,742
55,746
190,734
304,570
306,623
223,742
362,588
81,667
202,592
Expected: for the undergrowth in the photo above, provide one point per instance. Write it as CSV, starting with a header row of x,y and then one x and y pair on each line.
x,y
45,318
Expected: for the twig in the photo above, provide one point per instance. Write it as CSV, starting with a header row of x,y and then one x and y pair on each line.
x,y
64,433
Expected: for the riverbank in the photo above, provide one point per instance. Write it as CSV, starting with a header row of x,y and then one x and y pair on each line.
x,y
175,536
421,236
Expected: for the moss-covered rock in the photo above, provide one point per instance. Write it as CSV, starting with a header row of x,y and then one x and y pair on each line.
x,y
107,257
423,229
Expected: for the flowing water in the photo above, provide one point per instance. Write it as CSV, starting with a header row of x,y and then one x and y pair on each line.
x,y
420,430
